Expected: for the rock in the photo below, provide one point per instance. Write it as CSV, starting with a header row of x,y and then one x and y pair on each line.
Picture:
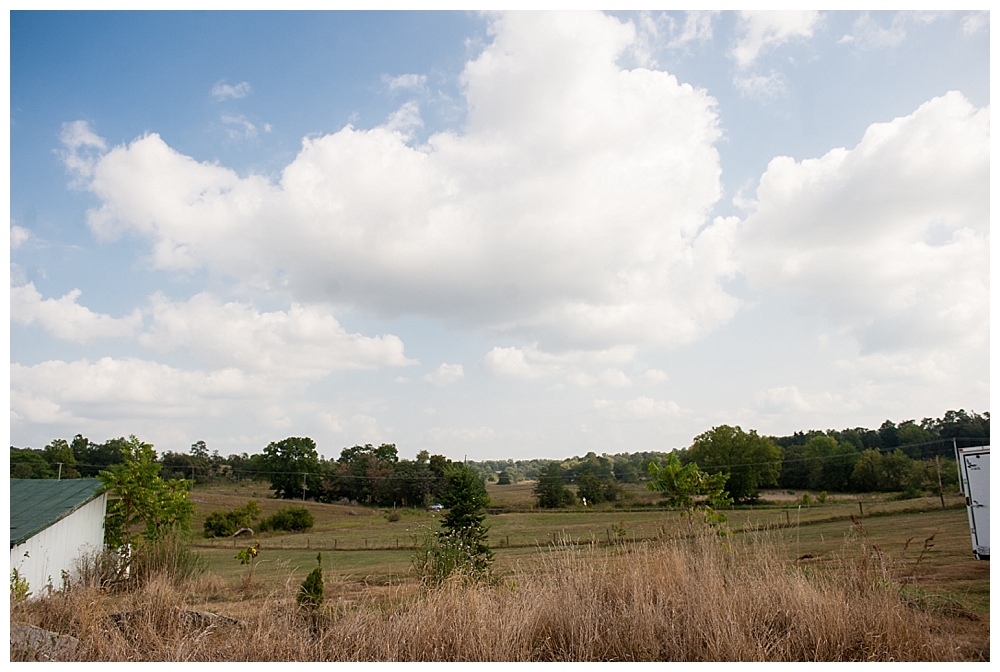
x,y
206,619
198,620
28,642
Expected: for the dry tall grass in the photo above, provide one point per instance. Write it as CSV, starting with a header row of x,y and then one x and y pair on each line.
x,y
700,598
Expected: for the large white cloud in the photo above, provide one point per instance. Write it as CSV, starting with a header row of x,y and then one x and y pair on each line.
x,y
891,238
570,208
304,342
63,392
67,319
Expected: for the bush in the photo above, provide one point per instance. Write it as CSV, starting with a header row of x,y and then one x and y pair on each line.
x,y
226,523
311,592
439,556
288,519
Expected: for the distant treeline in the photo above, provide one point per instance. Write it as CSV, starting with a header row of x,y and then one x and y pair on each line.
x,y
894,457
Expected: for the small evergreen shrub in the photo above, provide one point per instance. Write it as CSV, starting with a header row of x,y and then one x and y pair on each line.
x,y
311,592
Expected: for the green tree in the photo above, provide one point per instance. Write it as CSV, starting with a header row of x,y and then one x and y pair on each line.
x,y
681,484
867,472
29,463
832,463
60,457
589,487
293,463
141,498
750,460
465,498
503,478
92,458
551,489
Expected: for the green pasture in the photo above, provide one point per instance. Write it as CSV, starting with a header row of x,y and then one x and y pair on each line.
x,y
929,546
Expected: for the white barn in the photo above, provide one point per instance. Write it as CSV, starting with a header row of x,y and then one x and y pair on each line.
x,y
52,523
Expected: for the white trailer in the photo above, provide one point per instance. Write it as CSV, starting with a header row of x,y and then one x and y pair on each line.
x,y
974,471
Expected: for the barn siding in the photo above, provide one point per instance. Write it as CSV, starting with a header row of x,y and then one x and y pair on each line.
x,y
57,548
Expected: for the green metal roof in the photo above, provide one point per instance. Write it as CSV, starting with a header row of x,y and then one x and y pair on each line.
x,y
35,504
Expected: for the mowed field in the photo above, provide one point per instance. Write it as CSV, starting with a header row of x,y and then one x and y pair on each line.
x,y
364,551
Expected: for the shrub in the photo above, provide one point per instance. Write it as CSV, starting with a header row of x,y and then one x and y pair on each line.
x,y
311,592
19,589
226,523
439,556
288,519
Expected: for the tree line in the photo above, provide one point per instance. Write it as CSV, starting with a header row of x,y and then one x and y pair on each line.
x,y
896,457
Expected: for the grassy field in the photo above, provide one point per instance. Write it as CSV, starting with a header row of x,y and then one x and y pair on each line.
x,y
898,584
362,548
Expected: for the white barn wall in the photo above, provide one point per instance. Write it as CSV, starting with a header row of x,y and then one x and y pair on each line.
x,y
57,547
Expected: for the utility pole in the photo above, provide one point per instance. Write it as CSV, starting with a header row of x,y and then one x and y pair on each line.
x,y
937,463
958,465
59,477
303,487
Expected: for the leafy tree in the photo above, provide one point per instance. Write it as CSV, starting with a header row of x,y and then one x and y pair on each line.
x,y
612,490
292,463
551,489
795,467
909,433
899,472
196,465
959,424
142,498
752,461
59,453
887,472
867,471
888,435
199,449
503,478
92,458
588,487
832,463
29,463
361,474
680,485
627,473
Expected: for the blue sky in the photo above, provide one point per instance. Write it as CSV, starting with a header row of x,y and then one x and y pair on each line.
x,y
494,235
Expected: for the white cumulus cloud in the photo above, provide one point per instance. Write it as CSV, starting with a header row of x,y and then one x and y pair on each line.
x,y
66,319
302,342
116,389
446,374
576,217
892,236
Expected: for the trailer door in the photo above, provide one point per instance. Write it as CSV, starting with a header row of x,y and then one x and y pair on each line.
x,y
976,473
